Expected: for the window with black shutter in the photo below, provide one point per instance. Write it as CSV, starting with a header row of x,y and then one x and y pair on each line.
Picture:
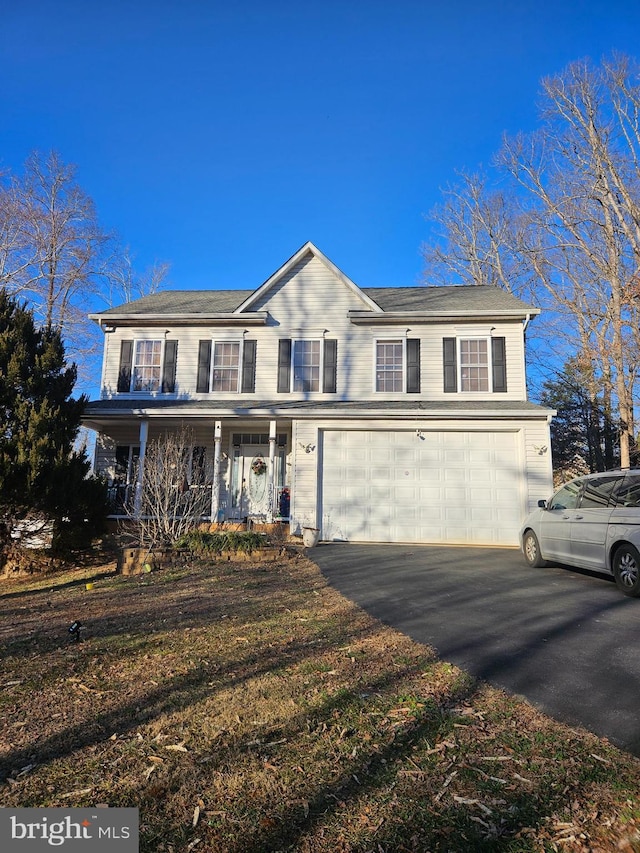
x,y
450,365
169,367
126,361
330,366
413,365
249,367
499,361
204,367
284,365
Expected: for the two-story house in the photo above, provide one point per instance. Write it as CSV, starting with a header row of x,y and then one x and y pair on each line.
x,y
395,414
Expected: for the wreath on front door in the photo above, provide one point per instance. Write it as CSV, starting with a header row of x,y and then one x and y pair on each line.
x,y
259,466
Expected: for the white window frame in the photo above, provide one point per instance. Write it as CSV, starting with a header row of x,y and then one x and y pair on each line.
x,y
134,365
222,341
395,339
294,344
489,364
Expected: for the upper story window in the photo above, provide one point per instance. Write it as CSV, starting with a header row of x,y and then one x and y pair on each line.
x,y
307,365
474,364
389,366
226,366
397,367
147,366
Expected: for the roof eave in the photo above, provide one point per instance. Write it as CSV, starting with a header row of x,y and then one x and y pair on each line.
x,y
250,318
396,317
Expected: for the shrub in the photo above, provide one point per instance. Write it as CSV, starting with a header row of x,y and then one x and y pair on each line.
x,y
213,544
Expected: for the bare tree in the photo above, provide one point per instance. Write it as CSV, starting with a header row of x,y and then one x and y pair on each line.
x,y
125,283
583,236
567,228
174,493
476,234
53,247
55,254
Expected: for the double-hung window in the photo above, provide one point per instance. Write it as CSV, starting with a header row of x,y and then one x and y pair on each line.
x,y
148,366
226,366
397,367
389,366
306,365
474,364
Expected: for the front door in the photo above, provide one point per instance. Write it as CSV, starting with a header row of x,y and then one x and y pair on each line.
x,y
250,494
250,481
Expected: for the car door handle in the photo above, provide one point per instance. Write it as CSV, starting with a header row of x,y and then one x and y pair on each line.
x,y
578,516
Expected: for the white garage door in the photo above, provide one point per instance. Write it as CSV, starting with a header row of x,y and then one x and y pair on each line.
x,y
454,487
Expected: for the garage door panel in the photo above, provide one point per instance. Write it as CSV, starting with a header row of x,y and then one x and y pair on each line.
x,y
392,486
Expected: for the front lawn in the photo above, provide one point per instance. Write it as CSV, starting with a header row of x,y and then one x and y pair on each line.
x,y
250,707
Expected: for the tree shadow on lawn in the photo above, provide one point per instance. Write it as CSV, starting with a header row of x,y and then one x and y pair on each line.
x,y
141,604
182,691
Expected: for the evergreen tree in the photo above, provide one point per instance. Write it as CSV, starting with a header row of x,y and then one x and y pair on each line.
x,y
40,473
584,437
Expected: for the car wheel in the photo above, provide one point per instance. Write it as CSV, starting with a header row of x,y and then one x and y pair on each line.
x,y
626,570
531,550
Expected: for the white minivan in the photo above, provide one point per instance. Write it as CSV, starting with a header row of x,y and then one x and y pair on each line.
x,y
592,522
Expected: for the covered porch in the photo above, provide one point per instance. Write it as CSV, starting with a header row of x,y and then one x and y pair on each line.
x,y
242,468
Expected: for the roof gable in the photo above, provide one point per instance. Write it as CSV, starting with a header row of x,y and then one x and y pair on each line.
x,y
303,252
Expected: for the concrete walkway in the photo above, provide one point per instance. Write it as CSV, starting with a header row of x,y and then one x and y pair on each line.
x,y
566,640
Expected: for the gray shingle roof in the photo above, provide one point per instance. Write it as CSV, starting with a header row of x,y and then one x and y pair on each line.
x,y
183,302
450,298
423,299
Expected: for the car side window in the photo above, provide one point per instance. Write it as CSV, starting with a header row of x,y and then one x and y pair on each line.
x,y
629,492
567,497
598,490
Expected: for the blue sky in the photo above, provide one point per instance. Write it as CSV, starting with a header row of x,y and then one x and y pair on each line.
x,y
220,136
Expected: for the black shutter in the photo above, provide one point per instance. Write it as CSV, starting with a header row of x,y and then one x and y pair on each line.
x,y
126,360
169,368
284,365
249,367
499,361
330,369
450,364
413,365
204,366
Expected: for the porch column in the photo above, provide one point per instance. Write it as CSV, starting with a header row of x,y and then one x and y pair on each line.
x,y
137,501
271,471
215,485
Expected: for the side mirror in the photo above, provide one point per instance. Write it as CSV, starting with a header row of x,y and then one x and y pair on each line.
x,y
542,504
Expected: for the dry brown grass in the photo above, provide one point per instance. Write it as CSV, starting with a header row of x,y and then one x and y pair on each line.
x,y
248,708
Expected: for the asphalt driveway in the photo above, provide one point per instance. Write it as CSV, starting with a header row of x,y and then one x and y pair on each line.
x,y
566,640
